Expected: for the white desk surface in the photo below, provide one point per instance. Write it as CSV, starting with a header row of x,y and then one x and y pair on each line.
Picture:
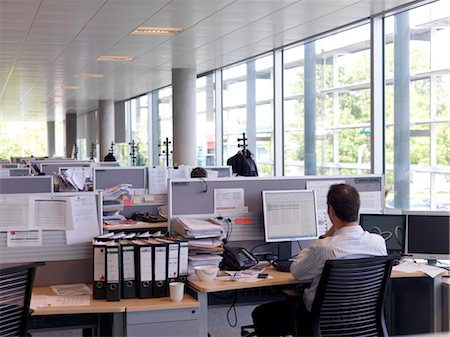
x,y
124,305
279,278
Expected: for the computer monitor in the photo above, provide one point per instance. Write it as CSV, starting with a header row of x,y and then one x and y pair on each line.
x,y
289,215
392,227
428,235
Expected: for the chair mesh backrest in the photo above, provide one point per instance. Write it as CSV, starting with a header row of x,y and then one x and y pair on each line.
x,y
350,297
15,293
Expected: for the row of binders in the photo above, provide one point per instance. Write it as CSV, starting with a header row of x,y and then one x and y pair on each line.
x,y
129,266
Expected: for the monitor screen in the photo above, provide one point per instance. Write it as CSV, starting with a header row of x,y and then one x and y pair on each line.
x,y
391,227
289,215
428,235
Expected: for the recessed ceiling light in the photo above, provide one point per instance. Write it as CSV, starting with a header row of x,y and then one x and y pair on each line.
x,y
114,58
70,87
156,31
87,75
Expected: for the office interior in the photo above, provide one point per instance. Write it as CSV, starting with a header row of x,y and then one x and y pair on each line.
x,y
316,88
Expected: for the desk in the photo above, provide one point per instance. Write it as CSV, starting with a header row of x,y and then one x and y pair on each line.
x,y
203,288
128,317
446,304
400,313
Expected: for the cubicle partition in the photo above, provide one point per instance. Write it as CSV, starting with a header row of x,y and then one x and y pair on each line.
x,y
51,244
24,184
105,177
196,198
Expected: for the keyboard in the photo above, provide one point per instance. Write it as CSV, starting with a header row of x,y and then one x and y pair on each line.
x,y
282,265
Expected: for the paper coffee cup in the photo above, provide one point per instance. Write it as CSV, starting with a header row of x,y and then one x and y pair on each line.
x,y
176,290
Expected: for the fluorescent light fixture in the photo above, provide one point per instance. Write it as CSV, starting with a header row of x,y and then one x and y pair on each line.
x,y
70,87
156,31
87,75
114,58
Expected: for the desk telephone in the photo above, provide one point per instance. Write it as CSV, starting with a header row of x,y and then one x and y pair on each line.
x,y
235,258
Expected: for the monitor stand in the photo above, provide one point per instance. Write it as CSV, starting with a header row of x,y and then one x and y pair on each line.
x,y
432,262
284,250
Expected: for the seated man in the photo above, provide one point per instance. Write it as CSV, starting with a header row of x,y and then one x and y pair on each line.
x,y
345,239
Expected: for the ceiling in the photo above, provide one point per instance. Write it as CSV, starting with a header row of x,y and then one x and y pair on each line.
x,y
45,44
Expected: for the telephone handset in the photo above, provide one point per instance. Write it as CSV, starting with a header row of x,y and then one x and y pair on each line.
x,y
235,258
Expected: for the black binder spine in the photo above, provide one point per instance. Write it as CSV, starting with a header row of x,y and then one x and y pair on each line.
x,y
183,260
160,261
113,272
144,269
99,272
128,278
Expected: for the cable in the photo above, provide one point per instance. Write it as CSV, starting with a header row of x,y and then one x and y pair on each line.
x,y
232,308
259,245
229,228
205,185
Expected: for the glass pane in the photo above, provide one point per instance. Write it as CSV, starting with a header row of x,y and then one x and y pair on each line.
x,y
248,108
139,130
418,106
206,118
333,103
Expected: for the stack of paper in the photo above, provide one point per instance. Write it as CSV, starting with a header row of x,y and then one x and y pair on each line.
x,y
202,246
113,200
196,228
205,241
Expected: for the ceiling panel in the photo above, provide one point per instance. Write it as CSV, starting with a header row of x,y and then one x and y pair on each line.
x,y
44,44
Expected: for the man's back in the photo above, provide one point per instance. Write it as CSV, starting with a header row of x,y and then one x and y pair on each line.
x,y
347,242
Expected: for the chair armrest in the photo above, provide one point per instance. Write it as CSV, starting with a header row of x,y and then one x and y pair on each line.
x,y
297,291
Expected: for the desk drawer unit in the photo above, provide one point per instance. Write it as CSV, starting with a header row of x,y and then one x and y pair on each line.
x,y
163,323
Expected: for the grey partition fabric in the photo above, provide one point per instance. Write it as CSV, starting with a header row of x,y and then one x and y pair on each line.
x,y
105,177
32,184
197,196
54,247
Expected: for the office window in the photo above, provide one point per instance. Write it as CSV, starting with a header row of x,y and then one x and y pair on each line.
x,y
139,109
417,69
23,139
327,105
164,123
248,109
206,128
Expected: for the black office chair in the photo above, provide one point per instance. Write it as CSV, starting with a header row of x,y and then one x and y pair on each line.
x,y
16,284
350,297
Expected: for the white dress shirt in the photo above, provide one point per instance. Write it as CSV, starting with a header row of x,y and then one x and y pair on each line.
x,y
346,243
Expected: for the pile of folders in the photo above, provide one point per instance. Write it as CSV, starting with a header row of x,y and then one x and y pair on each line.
x,y
137,265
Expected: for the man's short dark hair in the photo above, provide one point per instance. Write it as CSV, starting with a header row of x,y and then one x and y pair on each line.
x,y
344,199
199,172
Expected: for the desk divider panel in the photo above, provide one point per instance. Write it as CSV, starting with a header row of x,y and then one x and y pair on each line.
x,y
195,197
23,184
54,247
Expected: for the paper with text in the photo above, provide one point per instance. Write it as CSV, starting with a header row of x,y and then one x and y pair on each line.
x,y
52,213
321,188
84,218
31,238
15,213
229,200
157,180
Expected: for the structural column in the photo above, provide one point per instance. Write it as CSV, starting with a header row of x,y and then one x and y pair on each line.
x,y
71,133
184,117
50,139
310,109
106,126
401,111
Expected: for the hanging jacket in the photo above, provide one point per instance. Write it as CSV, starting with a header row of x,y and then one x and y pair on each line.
x,y
242,164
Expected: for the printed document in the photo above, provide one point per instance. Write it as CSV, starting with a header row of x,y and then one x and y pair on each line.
x,y
229,200
321,189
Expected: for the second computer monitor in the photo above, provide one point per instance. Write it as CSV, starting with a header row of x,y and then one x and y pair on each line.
x,y
390,226
289,215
